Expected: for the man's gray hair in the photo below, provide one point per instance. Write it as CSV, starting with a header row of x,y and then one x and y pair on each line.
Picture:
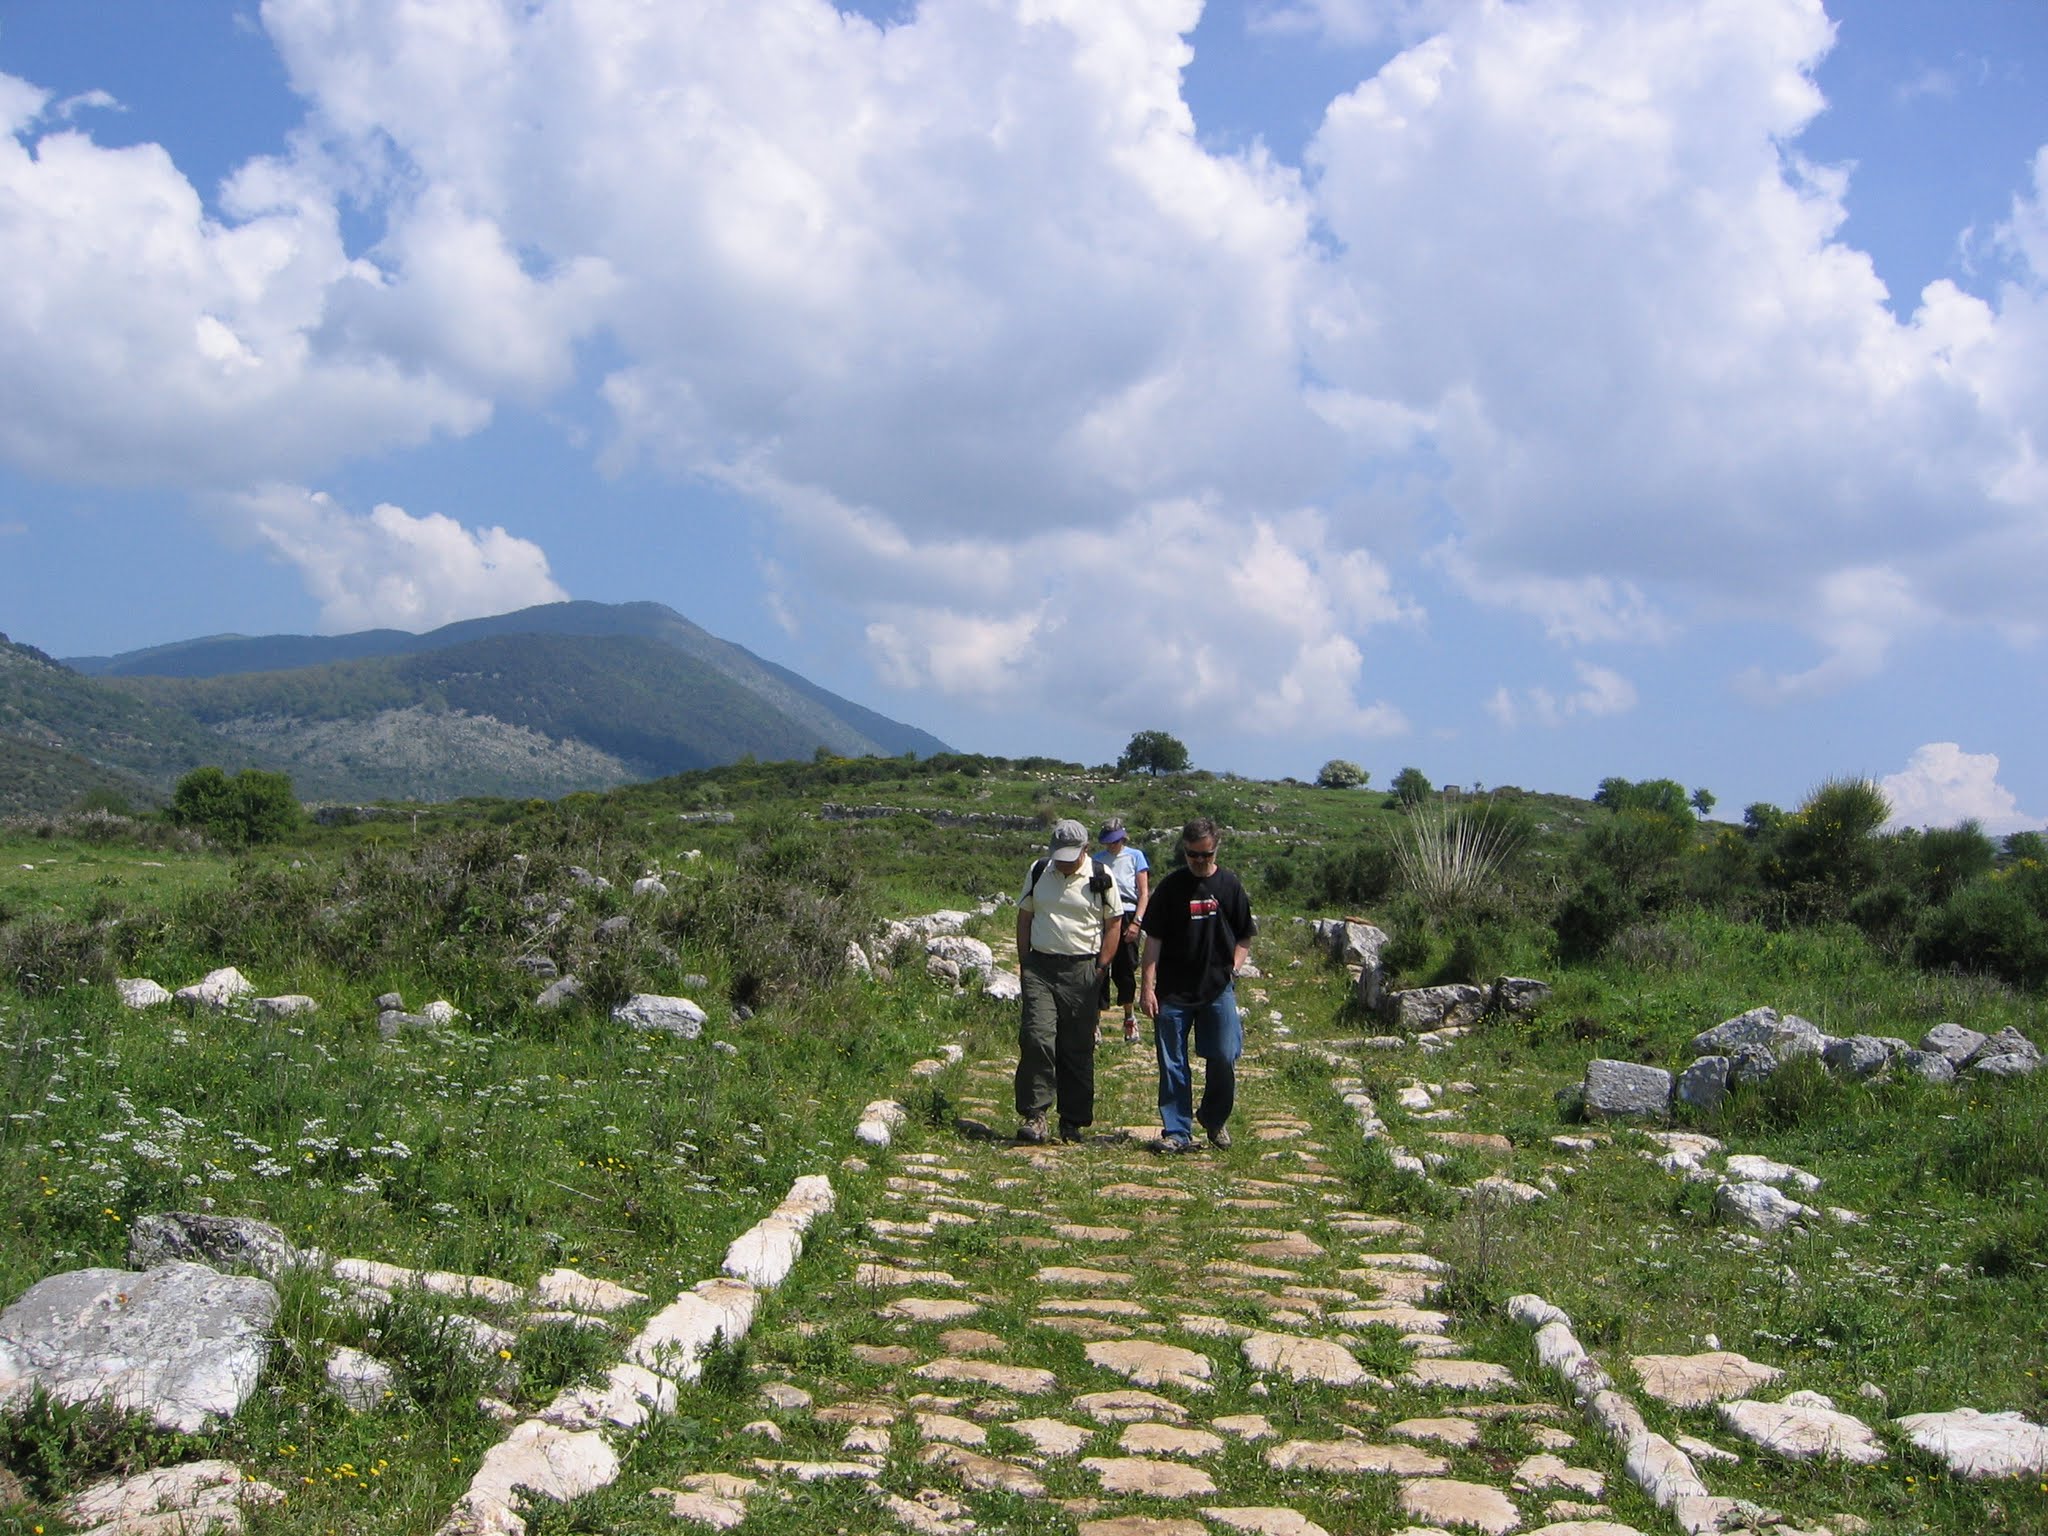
x,y
1200,827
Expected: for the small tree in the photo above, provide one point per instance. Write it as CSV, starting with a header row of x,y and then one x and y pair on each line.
x,y
1411,787
1341,773
1703,801
252,807
1153,752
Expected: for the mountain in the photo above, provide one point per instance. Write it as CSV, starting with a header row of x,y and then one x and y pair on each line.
x,y
840,724
550,699
63,735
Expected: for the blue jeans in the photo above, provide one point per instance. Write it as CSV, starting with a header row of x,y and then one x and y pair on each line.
x,y
1219,1041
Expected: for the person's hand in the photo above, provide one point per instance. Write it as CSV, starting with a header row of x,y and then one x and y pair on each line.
x,y
1148,1002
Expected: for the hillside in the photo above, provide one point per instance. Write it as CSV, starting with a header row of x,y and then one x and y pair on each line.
x,y
514,714
831,721
66,735
546,701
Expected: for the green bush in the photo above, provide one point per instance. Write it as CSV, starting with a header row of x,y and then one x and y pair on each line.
x,y
1591,916
252,807
1990,926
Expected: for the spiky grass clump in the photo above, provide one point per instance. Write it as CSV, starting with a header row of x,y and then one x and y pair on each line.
x,y
1450,862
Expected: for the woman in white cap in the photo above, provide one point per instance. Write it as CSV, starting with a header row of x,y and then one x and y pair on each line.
x,y
1133,876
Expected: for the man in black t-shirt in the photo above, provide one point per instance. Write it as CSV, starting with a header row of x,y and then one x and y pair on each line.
x,y
1198,930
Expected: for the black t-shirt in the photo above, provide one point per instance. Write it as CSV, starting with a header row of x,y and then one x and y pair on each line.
x,y
1197,922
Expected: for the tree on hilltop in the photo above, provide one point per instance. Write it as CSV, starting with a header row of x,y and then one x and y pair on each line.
x,y
1341,773
1153,752
1411,786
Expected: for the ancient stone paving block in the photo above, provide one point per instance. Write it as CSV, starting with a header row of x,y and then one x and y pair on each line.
x,y
971,1341
1147,1192
1981,1445
884,1354
1352,1456
984,1472
1266,1521
1372,1261
1051,1437
1150,1439
952,1430
1143,1525
1030,1381
1321,1360
858,1413
930,1513
883,1275
1293,1246
1460,1375
927,1309
1140,1475
1153,1365
1692,1381
1085,1327
1129,1406
1094,1306
1074,1234
1075,1274
1458,1432
1802,1427
1448,1501
1246,1426
1398,1315
1232,1267
1548,1472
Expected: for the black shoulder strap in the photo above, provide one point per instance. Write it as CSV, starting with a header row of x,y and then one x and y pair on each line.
x,y
1036,870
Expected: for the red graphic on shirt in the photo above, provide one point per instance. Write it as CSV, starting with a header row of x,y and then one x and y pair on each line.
x,y
1201,906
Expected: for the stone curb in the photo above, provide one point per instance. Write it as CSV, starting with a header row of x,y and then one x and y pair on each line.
x,y
566,1450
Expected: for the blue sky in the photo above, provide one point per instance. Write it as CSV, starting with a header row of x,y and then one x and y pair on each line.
x,y
1525,390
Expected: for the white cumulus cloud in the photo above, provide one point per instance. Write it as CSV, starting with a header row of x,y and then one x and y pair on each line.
x,y
1942,784
390,569
1602,691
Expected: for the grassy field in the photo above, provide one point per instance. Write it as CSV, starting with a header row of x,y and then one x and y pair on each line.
x,y
511,1141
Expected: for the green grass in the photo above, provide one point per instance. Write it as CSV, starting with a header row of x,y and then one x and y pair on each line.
x,y
512,1141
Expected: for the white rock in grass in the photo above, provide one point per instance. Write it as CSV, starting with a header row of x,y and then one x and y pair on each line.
x,y
181,1343
1758,1207
877,1123
141,992
287,1006
194,1497
361,1381
1981,1445
1800,1428
1742,1165
768,1251
677,1338
583,1293
652,1012
536,1458
440,1011
627,1397
217,989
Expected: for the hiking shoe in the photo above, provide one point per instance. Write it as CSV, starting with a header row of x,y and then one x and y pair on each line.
x,y
1175,1144
1032,1131
1130,1029
1072,1132
1219,1136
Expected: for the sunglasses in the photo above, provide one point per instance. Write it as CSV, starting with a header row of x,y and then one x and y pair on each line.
x,y
1199,853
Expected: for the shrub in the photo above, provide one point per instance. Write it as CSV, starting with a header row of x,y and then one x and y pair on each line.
x,y
1949,858
1411,787
1592,915
40,955
1990,926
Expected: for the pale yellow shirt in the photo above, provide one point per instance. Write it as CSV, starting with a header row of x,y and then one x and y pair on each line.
x,y
1067,917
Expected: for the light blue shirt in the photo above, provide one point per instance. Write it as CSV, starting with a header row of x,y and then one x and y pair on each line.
x,y
1124,865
